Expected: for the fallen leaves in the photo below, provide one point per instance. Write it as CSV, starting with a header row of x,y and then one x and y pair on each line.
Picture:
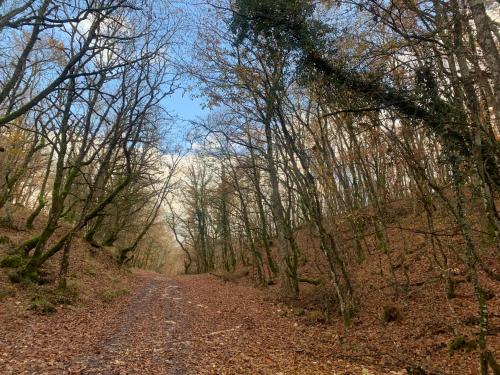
x,y
200,325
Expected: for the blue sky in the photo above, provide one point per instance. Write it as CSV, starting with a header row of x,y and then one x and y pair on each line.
x,y
184,105
184,108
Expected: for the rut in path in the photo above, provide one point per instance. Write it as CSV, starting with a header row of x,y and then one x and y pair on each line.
x,y
143,342
193,325
200,325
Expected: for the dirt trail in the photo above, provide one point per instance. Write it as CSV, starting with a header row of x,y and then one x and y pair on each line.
x,y
142,342
237,329
183,325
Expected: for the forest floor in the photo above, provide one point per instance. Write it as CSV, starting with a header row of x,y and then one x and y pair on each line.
x,y
180,325
110,320
195,324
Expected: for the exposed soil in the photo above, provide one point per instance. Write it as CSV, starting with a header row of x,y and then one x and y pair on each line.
x,y
142,339
183,325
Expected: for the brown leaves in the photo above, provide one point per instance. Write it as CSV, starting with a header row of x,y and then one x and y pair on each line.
x,y
202,325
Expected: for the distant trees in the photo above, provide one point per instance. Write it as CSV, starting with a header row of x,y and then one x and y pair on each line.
x,y
82,124
328,122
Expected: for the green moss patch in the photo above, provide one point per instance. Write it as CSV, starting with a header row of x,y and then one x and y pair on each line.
x,y
4,240
41,305
460,342
66,295
12,261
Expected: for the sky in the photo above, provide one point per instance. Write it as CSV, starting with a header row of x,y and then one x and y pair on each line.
x,y
183,105
184,109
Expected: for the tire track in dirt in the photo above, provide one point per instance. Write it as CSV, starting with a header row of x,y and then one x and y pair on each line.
x,y
185,325
193,325
236,329
142,342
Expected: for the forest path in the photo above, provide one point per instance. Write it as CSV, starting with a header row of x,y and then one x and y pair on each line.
x,y
201,325
143,341
173,325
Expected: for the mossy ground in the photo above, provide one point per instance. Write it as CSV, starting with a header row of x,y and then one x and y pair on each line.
x,y
12,261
